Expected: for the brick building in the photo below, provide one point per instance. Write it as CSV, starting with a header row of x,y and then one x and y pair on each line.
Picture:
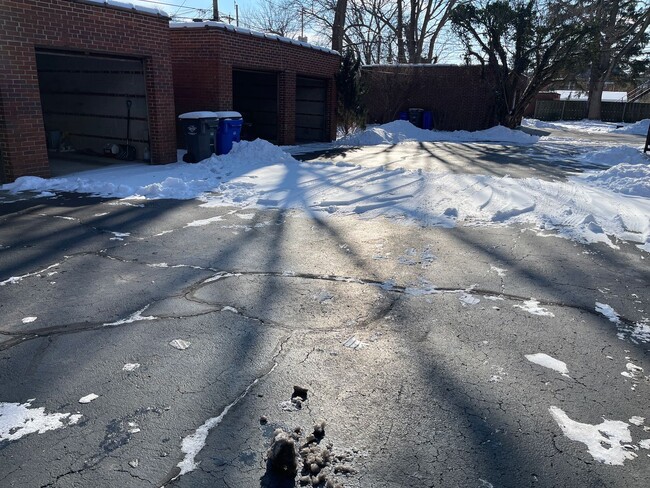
x,y
459,96
285,89
68,69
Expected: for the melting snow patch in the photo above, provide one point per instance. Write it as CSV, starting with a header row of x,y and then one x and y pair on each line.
x,y
88,398
180,344
606,442
500,271
549,362
18,420
532,306
632,370
130,366
119,236
644,444
324,296
200,223
135,317
637,420
28,320
468,299
17,279
354,343
608,312
229,309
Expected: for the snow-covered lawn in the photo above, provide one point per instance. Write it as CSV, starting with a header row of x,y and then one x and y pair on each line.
x,y
603,205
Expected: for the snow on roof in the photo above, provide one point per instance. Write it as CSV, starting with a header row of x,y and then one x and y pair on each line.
x,y
608,96
129,6
243,30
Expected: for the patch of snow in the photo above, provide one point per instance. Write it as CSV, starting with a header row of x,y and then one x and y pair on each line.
x,y
28,320
607,311
17,279
549,362
18,420
324,296
199,223
644,444
532,306
88,398
500,271
130,366
180,344
636,420
119,236
468,299
229,309
629,179
354,343
134,317
605,441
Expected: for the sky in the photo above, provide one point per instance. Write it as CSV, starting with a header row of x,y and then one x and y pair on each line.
x,y
198,8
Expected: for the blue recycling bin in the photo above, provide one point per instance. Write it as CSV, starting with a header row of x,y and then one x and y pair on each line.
x,y
427,120
229,131
403,116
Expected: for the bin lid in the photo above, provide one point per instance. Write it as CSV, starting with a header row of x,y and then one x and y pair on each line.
x,y
227,115
199,115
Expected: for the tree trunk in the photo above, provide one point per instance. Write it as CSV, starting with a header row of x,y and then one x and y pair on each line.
x,y
338,26
596,86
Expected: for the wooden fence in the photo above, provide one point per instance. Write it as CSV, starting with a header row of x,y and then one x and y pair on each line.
x,y
577,110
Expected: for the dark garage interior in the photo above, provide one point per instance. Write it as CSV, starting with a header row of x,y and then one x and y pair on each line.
x,y
255,96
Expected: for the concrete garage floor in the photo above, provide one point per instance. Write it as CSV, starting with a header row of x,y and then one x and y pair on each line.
x,y
418,386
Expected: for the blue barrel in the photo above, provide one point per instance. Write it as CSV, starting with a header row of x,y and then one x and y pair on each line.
x,y
229,131
427,120
403,116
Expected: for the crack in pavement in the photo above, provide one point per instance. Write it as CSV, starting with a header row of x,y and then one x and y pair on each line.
x,y
188,463
189,293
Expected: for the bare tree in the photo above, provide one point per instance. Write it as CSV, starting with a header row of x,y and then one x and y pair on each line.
x,y
521,46
618,34
281,17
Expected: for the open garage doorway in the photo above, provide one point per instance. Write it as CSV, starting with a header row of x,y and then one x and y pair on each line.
x,y
94,110
255,96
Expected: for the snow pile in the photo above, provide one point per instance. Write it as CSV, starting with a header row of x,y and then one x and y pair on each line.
x,y
630,179
615,155
399,131
639,128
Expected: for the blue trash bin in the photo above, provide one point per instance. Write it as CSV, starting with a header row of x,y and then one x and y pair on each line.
x,y
403,116
229,131
427,120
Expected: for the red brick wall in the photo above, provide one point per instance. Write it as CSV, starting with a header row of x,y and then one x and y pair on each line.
x,y
459,96
204,57
73,25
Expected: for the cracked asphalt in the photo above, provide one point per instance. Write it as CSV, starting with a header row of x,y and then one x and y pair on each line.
x,y
411,342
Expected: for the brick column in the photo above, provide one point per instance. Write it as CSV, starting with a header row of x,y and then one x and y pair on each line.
x,y
287,108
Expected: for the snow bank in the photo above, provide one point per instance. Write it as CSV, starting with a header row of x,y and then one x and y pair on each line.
x,y
596,207
630,179
639,128
615,155
591,126
399,131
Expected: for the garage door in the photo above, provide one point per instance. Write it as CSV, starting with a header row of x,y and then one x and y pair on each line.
x,y
255,96
84,98
311,102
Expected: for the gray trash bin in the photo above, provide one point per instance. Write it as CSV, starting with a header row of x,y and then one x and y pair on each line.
x,y
199,129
